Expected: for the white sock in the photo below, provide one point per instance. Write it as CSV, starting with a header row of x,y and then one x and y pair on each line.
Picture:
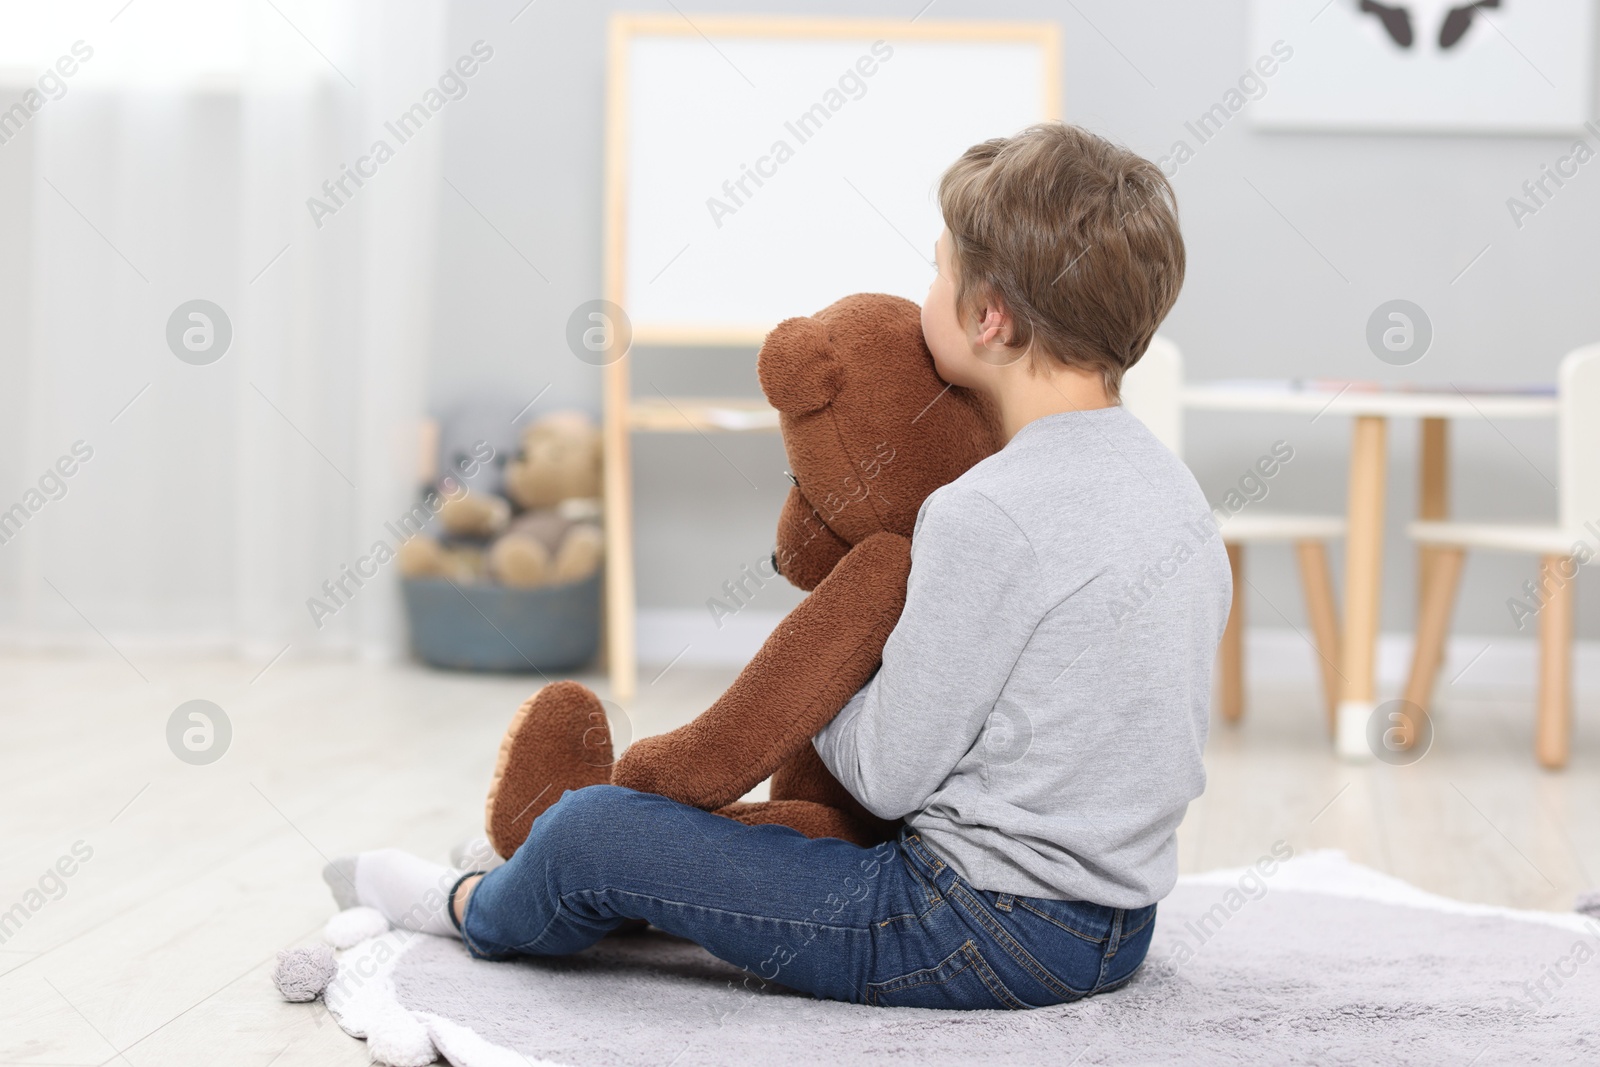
x,y
476,854
410,892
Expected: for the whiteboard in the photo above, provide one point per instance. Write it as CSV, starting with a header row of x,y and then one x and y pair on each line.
x,y
764,168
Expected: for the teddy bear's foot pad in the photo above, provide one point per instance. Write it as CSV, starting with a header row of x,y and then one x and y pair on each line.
x,y
558,740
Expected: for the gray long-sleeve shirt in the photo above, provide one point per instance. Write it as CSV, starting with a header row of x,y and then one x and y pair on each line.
x,y
1043,701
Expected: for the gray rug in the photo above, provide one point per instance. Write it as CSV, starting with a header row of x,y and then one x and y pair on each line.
x,y
1323,963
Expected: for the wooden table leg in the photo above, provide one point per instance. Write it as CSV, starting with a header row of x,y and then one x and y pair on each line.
x,y
1433,493
1231,652
1362,584
1433,627
1317,581
1553,729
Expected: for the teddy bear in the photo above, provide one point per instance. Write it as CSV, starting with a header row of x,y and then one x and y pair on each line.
x,y
555,538
547,547
560,461
556,484
427,557
869,430
475,516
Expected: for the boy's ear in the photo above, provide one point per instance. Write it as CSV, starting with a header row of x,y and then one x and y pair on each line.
x,y
992,315
798,366
996,330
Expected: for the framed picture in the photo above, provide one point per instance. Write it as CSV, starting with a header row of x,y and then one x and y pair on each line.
x,y
1491,66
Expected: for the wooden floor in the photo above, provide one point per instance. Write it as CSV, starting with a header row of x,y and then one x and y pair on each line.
x,y
158,949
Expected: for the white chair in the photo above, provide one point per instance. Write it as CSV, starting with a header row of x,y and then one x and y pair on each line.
x,y
1578,521
1153,391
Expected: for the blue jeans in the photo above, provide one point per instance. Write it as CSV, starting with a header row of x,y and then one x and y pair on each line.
x,y
891,925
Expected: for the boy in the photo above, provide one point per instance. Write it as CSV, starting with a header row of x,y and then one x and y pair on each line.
x,y
1039,716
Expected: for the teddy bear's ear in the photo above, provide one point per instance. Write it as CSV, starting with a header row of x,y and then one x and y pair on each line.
x,y
798,366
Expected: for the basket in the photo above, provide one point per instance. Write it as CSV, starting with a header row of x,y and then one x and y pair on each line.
x,y
487,627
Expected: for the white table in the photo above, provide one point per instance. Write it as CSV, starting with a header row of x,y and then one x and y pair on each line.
x,y
1371,408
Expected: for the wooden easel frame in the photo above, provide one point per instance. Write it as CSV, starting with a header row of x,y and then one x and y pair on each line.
x,y
624,415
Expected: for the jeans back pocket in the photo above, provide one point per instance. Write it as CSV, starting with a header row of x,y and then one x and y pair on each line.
x,y
1138,928
962,980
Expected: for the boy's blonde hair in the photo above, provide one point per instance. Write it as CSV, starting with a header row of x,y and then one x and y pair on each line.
x,y
1076,236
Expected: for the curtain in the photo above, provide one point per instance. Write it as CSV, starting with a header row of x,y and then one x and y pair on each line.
x,y
183,185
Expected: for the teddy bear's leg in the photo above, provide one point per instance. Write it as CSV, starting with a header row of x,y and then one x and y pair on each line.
x,y
812,819
579,554
519,561
558,740
804,777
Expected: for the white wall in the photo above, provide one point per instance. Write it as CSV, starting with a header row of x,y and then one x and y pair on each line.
x,y
1396,216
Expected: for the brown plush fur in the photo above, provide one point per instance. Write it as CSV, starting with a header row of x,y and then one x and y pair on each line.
x,y
870,430
557,741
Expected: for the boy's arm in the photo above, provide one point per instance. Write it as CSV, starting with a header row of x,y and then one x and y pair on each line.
x,y
971,605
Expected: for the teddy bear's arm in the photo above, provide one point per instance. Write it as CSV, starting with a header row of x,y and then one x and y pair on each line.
x,y
822,652
807,551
